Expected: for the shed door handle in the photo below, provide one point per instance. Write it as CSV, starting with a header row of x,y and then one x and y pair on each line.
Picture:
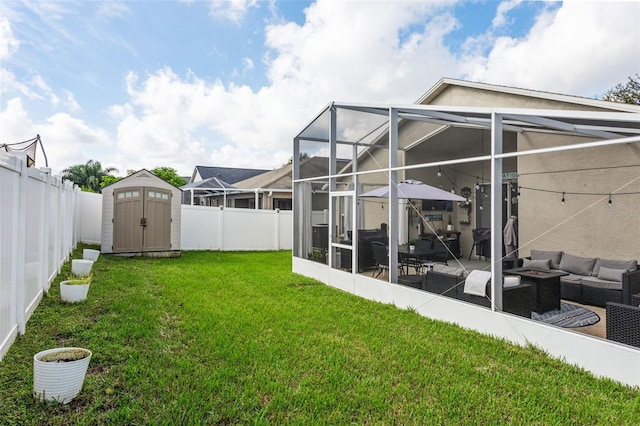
x,y
143,221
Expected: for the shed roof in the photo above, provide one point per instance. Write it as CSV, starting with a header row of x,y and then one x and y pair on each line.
x,y
142,177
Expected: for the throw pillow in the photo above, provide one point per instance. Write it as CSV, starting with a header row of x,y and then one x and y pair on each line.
x,y
543,264
554,256
610,274
576,264
629,265
511,281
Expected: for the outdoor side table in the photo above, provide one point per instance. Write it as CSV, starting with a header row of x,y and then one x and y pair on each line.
x,y
546,287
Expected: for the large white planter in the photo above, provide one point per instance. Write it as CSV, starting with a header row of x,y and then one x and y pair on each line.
x,y
72,293
59,381
90,254
81,267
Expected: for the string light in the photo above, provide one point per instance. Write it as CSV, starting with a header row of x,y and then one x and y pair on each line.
x,y
563,198
609,199
439,172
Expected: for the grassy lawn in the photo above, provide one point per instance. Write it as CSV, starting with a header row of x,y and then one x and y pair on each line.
x,y
237,338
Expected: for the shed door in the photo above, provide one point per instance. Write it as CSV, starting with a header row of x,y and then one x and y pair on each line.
x,y
142,220
157,212
128,211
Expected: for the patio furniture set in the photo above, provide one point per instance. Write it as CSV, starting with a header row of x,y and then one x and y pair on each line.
x,y
546,278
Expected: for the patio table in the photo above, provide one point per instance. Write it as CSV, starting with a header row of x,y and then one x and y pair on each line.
x,y
546,287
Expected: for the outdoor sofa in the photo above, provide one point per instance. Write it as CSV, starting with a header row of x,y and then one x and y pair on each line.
x,y
589,280
449,281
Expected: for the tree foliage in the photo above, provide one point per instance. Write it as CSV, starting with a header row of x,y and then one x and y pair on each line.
x,y
628,93
303,156
87,176
170,175
108,180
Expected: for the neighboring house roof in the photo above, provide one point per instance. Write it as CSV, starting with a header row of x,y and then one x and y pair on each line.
x,y
282,178
445,83
211,183
227,174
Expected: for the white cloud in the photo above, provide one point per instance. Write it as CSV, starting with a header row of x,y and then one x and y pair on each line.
x,y
233,10
8,43
247,64
501,13
582,48
112,9
67,140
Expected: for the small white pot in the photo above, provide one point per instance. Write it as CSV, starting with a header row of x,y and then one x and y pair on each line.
x,y
59,381
81,267
89,254
73,293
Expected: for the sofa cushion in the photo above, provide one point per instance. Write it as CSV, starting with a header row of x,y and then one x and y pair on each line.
x,y
554,256
572,278
604,284
576,264
610,274
543,264
451,270
629,265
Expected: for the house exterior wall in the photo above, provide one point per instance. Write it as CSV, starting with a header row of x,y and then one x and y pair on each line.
x,y
599,229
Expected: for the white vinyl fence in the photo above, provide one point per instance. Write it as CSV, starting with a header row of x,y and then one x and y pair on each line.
x,y
38,230
212,228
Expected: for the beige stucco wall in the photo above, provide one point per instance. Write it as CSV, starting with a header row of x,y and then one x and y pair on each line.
x,y
585,225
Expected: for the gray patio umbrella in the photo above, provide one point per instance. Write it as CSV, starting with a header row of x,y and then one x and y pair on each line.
x,y
416,190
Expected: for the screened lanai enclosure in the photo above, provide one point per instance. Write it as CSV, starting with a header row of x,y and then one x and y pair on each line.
x,y
534,184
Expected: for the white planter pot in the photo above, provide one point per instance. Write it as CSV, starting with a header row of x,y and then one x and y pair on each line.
x,y
89,254
59,381
73,293
81,267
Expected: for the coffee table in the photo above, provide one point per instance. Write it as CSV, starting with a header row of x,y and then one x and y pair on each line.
x,y
546,287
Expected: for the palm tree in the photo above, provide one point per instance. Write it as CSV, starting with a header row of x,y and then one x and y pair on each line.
x,y
87,176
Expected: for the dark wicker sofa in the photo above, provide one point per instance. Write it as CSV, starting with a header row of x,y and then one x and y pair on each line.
x,y
623,322
516,300
590,281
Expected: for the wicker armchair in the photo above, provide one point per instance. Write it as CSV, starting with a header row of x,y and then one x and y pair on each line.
x,y
623,322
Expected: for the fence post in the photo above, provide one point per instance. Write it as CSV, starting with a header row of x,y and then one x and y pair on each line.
x,y
277,228
46,211
221,228
20,236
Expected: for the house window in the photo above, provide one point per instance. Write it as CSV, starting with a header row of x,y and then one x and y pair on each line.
x,y
282,204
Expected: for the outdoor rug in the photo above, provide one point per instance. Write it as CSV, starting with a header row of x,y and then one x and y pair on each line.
x,y
568,316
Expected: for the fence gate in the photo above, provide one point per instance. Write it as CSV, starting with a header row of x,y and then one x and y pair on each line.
x,y
141,220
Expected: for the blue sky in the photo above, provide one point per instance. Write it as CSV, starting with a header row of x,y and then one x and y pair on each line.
x,y
229,83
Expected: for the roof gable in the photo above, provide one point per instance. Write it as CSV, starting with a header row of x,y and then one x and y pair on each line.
x,y
443,92
282,178
227,174
142,177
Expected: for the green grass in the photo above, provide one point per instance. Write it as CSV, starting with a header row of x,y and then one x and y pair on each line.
x,y
237,338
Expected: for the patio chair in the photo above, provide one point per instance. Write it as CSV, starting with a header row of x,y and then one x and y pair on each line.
x,y
380,257
481,242
623,323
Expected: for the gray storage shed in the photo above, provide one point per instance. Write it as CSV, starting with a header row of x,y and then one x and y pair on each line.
x,y
141,216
